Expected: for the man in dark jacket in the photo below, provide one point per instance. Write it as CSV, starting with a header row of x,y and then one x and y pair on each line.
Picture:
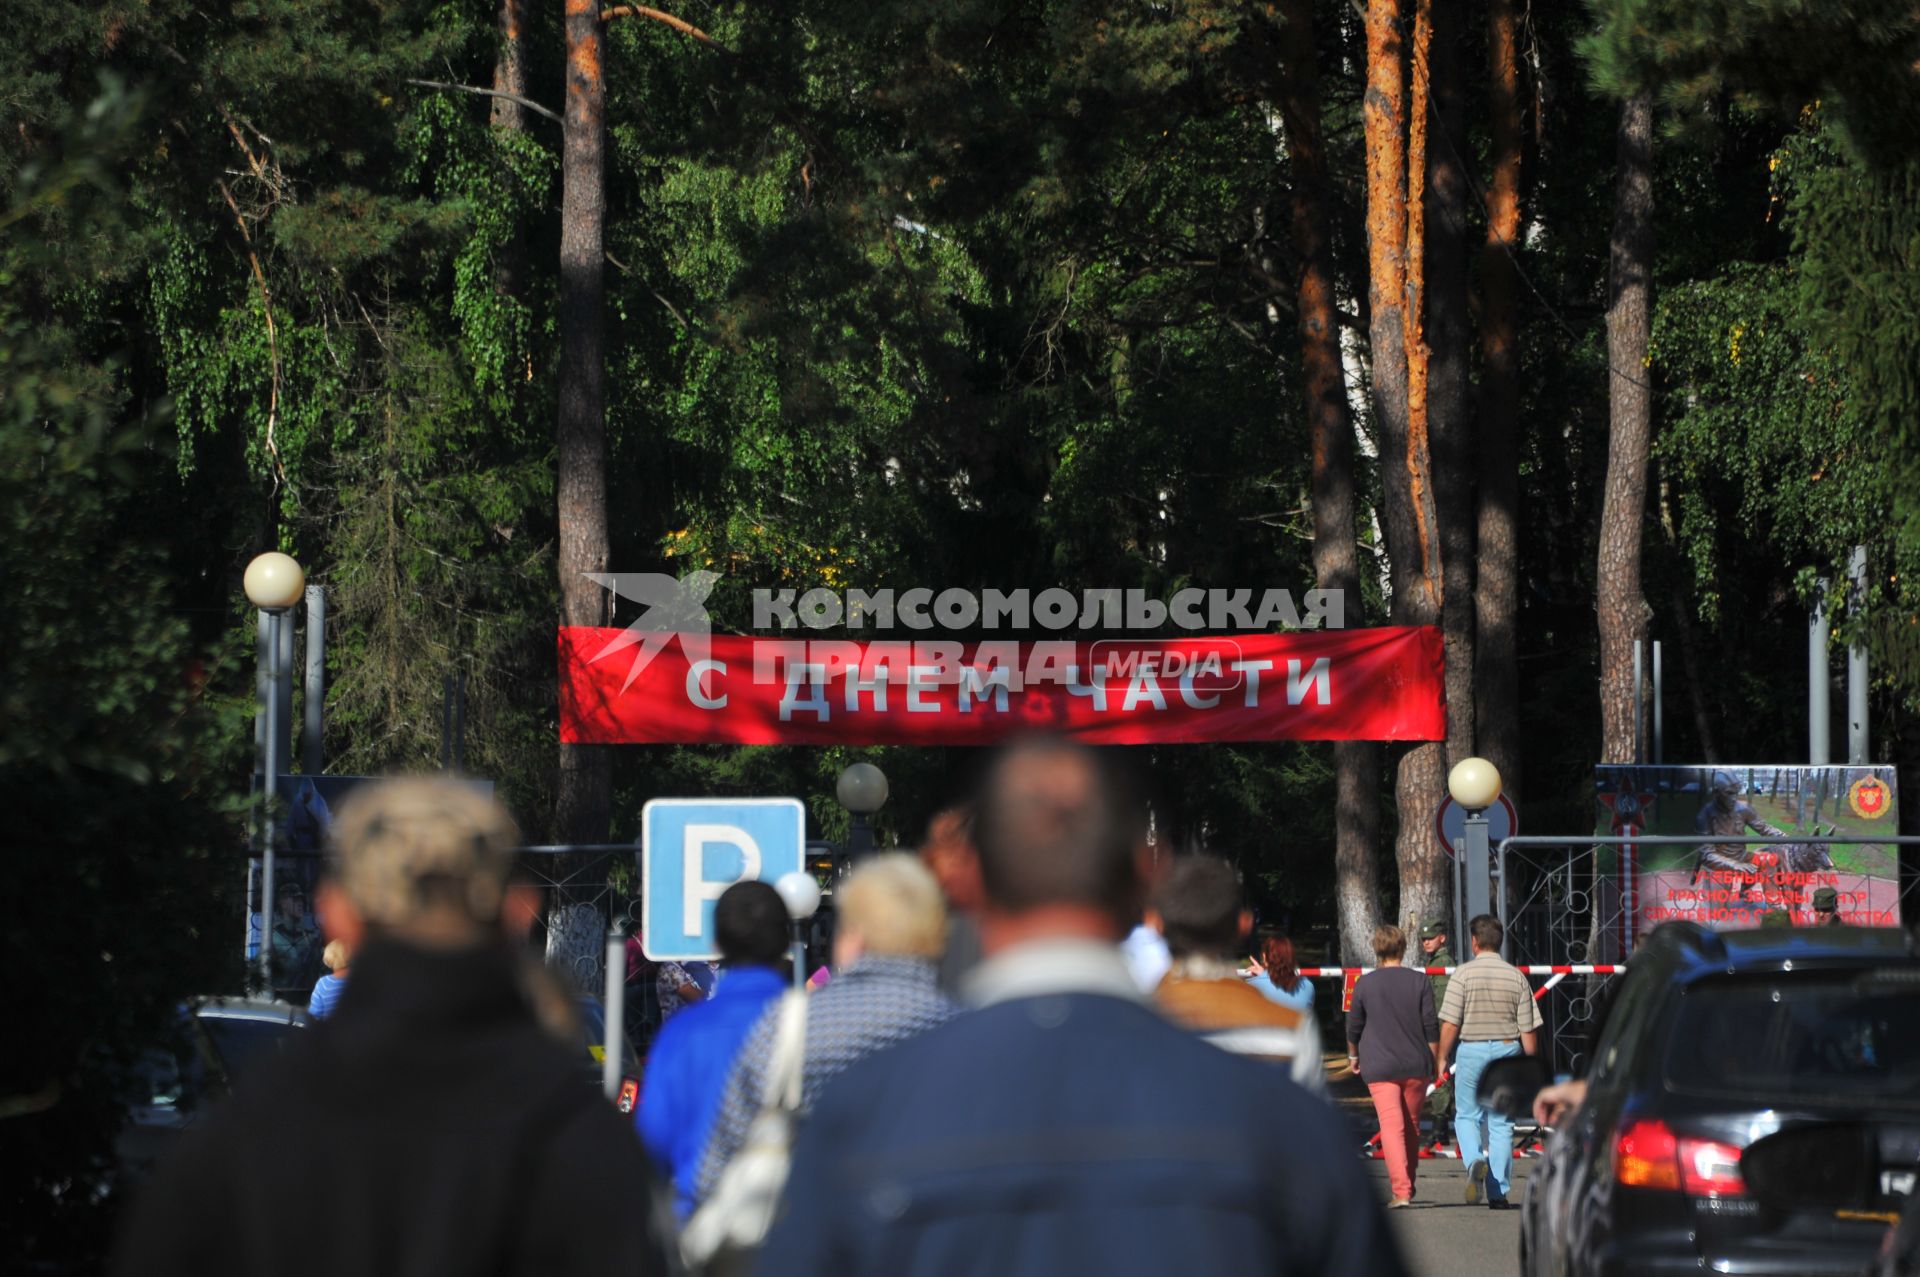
x,y
1064,1127
430,1126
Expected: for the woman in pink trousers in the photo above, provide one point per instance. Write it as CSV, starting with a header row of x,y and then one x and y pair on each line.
x,y
1393,1043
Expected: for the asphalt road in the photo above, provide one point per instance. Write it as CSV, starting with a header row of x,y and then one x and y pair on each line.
x,y
1442,1236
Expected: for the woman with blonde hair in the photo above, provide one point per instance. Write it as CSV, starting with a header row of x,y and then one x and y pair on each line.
x,y
891,931
328,988
1393,1043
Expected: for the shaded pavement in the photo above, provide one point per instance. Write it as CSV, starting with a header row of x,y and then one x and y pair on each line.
x,y
1440,1235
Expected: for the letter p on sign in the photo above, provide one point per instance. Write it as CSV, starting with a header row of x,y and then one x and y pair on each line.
x,y
693,849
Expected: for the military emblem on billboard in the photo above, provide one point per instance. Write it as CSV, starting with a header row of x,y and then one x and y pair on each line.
x,y
1870,798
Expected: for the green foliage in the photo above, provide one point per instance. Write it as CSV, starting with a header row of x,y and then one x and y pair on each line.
x,y
1780,53
1849,183
117,763
1765,428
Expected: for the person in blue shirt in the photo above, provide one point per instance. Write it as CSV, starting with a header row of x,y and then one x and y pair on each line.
x,y
1276,972
327,990
688,1066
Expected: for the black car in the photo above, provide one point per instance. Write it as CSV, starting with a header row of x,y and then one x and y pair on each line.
x,y
1713,1042
211,1043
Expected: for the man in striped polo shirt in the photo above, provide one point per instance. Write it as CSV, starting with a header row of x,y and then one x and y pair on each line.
x,y
1489,1011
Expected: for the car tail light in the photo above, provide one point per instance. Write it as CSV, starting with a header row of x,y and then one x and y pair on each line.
x,y
1710,1169
1647,1154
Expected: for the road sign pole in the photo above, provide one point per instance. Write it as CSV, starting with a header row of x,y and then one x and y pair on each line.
x,y
1473,872
1476,863
1458,935
276,617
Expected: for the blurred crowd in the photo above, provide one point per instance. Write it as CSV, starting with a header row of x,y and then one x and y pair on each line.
x,y
1027,1053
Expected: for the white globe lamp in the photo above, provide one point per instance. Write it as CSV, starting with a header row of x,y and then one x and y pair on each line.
x,y
800,893
862,789
1474,784
274,581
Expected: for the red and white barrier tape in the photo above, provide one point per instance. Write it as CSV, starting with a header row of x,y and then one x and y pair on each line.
x,y
1557,974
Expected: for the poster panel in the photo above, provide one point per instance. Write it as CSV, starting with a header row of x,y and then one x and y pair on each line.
x,y
307,804
1728,881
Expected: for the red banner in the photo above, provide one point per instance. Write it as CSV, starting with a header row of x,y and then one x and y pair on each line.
x,y
1373,684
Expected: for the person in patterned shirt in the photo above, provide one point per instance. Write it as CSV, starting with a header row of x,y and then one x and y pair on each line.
x,y
681,984
892,930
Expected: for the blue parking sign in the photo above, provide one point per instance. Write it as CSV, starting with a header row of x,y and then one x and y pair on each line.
x,y
692,849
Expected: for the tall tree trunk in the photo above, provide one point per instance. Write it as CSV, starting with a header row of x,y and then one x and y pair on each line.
x,y
1449,331
1621,607
582,803
1414,317
509,68
510,76
1496,600
1336,556
1405,464
1384,115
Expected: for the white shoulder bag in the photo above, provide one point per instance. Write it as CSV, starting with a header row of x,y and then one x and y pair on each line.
x,y
740,1210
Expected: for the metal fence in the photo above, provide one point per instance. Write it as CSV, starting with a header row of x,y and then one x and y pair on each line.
x,y
1574,902
586,891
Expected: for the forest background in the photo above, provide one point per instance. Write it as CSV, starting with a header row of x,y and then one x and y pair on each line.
x,y
1555,325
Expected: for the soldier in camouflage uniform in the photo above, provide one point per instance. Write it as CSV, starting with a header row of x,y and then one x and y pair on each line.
x,y
1826,908
1434,953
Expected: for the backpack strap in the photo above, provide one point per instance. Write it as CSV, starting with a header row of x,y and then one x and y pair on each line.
x,y
782,1084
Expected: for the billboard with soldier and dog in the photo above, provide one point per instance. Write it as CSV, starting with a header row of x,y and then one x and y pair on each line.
x,y
1729,880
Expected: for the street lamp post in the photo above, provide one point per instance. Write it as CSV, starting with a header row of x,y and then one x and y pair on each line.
x,y
613,1008
1475,785
862,790
801,895
274,583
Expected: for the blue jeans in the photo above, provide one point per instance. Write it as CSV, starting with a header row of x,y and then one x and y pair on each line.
x,y
1468,1063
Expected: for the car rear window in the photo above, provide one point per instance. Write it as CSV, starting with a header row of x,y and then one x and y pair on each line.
x,y
1785,1036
